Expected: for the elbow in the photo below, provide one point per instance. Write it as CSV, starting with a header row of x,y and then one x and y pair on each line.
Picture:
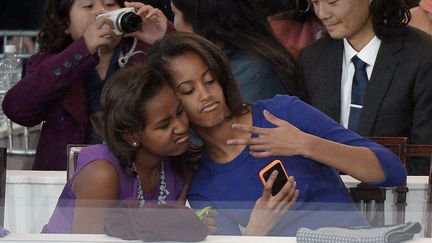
x,y
17,115
397,176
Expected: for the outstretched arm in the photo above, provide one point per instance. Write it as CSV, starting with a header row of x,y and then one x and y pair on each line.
x,y
287,140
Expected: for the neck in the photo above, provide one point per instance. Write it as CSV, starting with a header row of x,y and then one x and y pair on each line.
x,y
362,37
215,138
148,169
147,164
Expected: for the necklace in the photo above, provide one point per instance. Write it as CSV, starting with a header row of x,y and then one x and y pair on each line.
x,y
163,191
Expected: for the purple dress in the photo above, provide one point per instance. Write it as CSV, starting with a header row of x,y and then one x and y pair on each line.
x,y
61,219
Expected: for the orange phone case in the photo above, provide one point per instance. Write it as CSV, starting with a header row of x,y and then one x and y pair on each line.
x,y
268,167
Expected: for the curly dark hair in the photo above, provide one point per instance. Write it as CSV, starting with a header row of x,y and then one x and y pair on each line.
x,y
52,36
123,98
388,16
238,25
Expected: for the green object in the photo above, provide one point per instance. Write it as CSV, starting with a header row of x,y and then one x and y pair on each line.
x,y
203,212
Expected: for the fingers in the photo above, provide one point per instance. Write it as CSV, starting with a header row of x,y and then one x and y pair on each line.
x,y
154,14
142,9
104,22
292,201
269,185
210,221
138,6
100,33
274,120
245,141
250,129
287,191
264,154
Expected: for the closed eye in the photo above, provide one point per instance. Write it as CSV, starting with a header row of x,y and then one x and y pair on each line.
x,y
210,81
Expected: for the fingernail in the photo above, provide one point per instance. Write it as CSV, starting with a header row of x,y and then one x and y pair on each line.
x,y
275,172
266,112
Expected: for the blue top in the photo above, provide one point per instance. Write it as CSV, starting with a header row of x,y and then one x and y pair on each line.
x,y
256,78
61,219
323,198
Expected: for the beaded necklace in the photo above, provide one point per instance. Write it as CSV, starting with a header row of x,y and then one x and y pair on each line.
x,y
163,191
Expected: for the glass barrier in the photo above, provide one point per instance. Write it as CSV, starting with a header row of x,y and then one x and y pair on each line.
x,y
32,196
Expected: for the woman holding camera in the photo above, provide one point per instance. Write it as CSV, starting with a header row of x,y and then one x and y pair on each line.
x,y
311,146
80,50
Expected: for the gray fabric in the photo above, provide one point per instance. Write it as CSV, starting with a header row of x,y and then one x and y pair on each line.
x,y
391,233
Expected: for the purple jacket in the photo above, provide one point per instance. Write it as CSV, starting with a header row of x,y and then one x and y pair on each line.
x,y
54,92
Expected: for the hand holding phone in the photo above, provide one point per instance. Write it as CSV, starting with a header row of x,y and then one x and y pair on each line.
x,y
278,196
281,179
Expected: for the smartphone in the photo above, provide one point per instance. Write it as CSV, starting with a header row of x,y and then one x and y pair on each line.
x,y
281,179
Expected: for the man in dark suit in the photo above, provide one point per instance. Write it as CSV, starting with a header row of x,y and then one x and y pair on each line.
x,y
390,94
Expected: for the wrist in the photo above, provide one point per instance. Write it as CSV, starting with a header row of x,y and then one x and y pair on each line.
x,y
255,230
308,145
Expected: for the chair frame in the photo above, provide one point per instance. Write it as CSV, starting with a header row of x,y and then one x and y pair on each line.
x,y
72,155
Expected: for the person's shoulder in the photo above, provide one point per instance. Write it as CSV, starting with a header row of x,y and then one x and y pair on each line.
x,y
94,149
415,46
95,152
99,160
278,104
416,39
246,59
280,99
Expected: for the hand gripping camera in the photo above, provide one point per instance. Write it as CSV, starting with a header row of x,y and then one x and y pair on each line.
x,y
125,20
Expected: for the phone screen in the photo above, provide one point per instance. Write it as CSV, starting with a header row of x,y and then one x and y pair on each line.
x,y
281,178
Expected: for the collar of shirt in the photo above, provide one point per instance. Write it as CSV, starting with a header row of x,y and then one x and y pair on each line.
x,y
368,54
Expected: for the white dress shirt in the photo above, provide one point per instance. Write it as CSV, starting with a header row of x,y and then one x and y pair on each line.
x,y
368,55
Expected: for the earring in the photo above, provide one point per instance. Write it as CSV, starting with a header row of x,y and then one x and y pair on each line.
x,y
134,144
66,32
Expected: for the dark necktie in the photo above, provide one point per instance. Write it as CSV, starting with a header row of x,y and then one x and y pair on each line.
x,y
358,91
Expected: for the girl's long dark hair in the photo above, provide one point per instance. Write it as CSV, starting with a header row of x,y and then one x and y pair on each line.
x,y
238,25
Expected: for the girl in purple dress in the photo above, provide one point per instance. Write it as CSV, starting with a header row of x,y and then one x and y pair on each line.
x,y
146,131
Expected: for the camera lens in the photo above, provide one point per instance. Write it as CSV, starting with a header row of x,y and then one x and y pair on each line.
x,y
130,22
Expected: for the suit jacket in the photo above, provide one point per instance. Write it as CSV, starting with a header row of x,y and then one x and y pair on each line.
x,y
54,92
398,101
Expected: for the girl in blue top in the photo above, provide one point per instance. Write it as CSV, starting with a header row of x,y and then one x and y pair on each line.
x,y
240,140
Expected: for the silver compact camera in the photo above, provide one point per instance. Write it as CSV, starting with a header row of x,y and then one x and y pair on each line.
x,y
125,20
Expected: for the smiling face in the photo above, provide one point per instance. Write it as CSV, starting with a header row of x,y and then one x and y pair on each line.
x,y
84,12
201,95
345,18
166,130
